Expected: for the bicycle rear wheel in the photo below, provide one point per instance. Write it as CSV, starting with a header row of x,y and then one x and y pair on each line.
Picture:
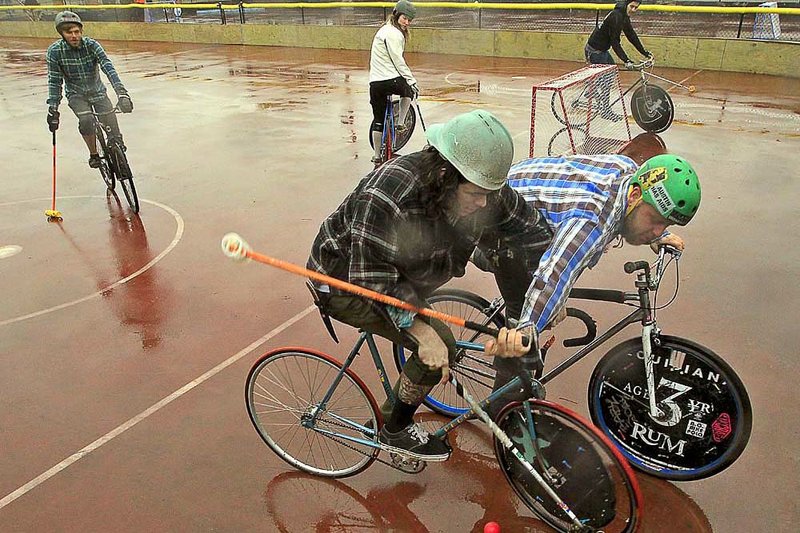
x,y
285,388
472,368
125,176
707,414
584,469
652,108
403,131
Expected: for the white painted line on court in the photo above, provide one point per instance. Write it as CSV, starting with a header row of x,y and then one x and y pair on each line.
x,y
83,452
175,240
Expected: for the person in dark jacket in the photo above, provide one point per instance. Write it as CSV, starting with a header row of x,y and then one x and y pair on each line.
x,y
608,35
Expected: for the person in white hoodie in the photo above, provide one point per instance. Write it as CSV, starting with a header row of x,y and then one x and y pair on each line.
x,y
388,72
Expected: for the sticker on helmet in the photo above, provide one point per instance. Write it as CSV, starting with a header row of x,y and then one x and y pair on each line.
x,y
652,176
662,199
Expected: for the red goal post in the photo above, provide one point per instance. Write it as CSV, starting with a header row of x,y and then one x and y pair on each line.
x,y
581,112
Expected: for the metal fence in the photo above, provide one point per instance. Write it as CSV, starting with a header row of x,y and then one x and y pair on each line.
x,y
720,24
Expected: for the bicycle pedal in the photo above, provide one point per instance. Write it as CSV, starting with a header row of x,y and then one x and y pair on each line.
x,y
407,464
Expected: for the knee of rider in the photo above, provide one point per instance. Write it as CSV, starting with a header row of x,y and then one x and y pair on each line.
x,y
85,125
377,126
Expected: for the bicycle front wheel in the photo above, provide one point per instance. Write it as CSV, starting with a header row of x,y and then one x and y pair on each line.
x,y
106,168
652,108
284,394
125,176
705,414
472,368
403,131
576,461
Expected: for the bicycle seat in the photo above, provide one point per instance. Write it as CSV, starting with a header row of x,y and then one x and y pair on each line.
x,y
326,319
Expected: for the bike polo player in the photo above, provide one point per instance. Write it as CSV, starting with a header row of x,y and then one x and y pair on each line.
x,y
589,202
388,72
408,228
609,33
607,36
74,60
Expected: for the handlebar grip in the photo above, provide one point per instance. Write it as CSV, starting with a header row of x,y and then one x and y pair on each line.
x,y
480,328
591,328
633,266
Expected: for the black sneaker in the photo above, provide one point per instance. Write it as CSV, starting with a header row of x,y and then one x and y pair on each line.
x,y
414,442
94,161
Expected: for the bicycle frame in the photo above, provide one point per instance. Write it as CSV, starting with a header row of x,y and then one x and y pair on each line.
x,y
309,422
645,314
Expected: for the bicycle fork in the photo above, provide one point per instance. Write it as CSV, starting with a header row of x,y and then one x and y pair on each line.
x,y
509,445
647,353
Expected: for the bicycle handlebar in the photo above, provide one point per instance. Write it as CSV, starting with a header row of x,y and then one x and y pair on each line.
x,y
642,65
591,328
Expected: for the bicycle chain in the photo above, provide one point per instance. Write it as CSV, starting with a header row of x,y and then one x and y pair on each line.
x,y
348,445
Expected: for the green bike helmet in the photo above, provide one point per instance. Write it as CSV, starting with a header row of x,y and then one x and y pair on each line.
x,y
478,145
67,17
670,185
404,7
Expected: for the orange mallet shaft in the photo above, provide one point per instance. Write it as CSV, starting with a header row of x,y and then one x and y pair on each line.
x,y
237,249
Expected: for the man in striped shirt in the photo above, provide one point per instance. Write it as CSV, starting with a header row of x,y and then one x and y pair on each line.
x,y
409,227
74,61
589,201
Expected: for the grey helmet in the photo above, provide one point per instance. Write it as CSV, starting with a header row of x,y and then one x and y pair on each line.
x,y
67,17
404,7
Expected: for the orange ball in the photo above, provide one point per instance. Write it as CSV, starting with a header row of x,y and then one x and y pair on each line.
x,y
491,527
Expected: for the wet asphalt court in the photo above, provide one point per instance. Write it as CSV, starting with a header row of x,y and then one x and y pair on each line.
x,y
125,341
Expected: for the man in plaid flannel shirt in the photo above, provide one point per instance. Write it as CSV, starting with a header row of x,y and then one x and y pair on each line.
x,y
409,227
74,61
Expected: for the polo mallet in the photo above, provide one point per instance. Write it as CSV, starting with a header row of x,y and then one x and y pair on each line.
x,y
421,120
237,249
52,214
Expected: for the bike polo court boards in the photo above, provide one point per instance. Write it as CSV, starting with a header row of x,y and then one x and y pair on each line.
x,y
123,400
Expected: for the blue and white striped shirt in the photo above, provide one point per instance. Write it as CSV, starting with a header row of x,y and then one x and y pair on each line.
x,y
584,199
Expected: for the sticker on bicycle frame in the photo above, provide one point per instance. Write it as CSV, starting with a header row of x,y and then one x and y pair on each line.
x,y
696,429
652,176
721,428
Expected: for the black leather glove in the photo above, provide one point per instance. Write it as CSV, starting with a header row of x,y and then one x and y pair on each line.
x,y
415,91
52,118
125,104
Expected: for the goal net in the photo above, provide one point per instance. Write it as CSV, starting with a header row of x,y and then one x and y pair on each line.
x,y
582,112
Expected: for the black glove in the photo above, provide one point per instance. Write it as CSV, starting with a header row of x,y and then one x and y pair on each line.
x,y
125,104
415,91
648,54
52,118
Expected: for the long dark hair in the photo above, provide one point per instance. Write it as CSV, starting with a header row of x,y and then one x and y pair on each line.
x,y
440,179
394,18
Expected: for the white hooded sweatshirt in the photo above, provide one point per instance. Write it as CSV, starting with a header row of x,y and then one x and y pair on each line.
x,y
386,58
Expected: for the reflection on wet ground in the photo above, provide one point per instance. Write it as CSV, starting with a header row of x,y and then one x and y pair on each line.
x,y
482,495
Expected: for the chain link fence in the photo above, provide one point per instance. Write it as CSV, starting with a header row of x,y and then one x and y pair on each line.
x,y
660,23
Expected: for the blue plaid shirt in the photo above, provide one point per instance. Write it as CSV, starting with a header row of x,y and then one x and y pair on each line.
x,y
79,71
583,198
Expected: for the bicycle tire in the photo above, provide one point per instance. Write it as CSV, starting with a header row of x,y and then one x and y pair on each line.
x,y
592,477
706,432
573,144
652,108
473,369
125,176
561,114
106,168
401,136
277,408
